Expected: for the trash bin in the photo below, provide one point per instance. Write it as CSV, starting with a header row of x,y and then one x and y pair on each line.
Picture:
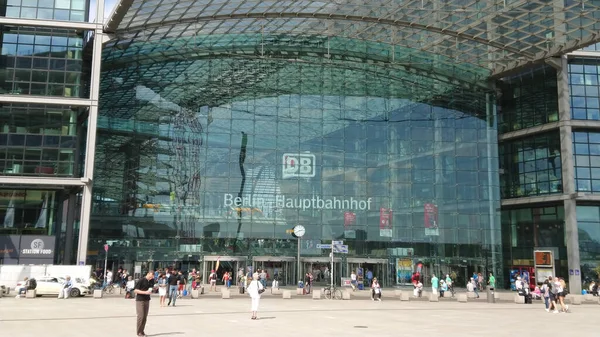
x,y
490,296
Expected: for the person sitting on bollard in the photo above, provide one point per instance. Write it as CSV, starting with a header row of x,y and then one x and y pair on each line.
x,y
472,287
443,288
66,289
22,289
419,288
129,287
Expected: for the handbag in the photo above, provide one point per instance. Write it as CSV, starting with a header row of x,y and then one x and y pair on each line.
x,y
260,290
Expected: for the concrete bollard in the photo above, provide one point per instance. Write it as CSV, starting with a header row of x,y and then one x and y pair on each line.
x,y
225,293
299,291
398,293
433,297
195,293
462,298
588,297
404,296
346,295
276,291
31,293
519,299
576,299
98,293
471,294
287,295
316,294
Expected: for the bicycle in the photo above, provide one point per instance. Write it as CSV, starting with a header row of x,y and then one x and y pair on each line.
x,y
332,293
109,289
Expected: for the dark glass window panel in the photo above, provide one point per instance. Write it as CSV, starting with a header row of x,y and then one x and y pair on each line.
x,y
16,140
51,141
34,140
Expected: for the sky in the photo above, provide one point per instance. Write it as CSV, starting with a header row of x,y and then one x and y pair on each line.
x,y
108,8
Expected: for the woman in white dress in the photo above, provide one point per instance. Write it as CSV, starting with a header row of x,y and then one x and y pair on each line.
x,y
255,289
162,289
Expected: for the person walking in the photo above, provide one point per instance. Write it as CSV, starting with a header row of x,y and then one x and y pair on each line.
x,y
162,288
492,281
434,284
143,289
562,293
213,280
353,281
226,279
173,286
376,292
255,289
545,291
475,287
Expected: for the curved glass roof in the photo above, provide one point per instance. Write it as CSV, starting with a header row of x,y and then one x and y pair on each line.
x,y
488,37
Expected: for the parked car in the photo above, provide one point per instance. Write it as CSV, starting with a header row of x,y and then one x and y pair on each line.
x,y
48,285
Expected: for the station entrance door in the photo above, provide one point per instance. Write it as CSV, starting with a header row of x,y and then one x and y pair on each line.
x,y
379,268
320,267
231,264
282,267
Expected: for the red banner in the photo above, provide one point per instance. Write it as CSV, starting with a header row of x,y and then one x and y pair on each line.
x,y
431,216
349,219
385,218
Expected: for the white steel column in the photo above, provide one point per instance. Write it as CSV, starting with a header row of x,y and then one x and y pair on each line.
x,y
568,175
90,151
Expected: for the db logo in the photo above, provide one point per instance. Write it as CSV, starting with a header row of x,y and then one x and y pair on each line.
x,y
301,165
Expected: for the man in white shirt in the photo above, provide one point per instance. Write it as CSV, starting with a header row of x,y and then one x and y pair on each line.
x,y
109,277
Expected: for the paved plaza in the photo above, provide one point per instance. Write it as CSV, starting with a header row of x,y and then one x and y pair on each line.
x,y
298,317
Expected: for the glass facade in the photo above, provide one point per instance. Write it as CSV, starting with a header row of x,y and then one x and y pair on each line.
x,y
586,151
38,140
531,166
584,85
219,131
528,100
588,222
63,10
28,211
42,140
527,229
42,61
393,178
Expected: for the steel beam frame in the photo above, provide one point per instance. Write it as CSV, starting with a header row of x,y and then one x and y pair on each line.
x,y
41,181
26,99
48,23
90,153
